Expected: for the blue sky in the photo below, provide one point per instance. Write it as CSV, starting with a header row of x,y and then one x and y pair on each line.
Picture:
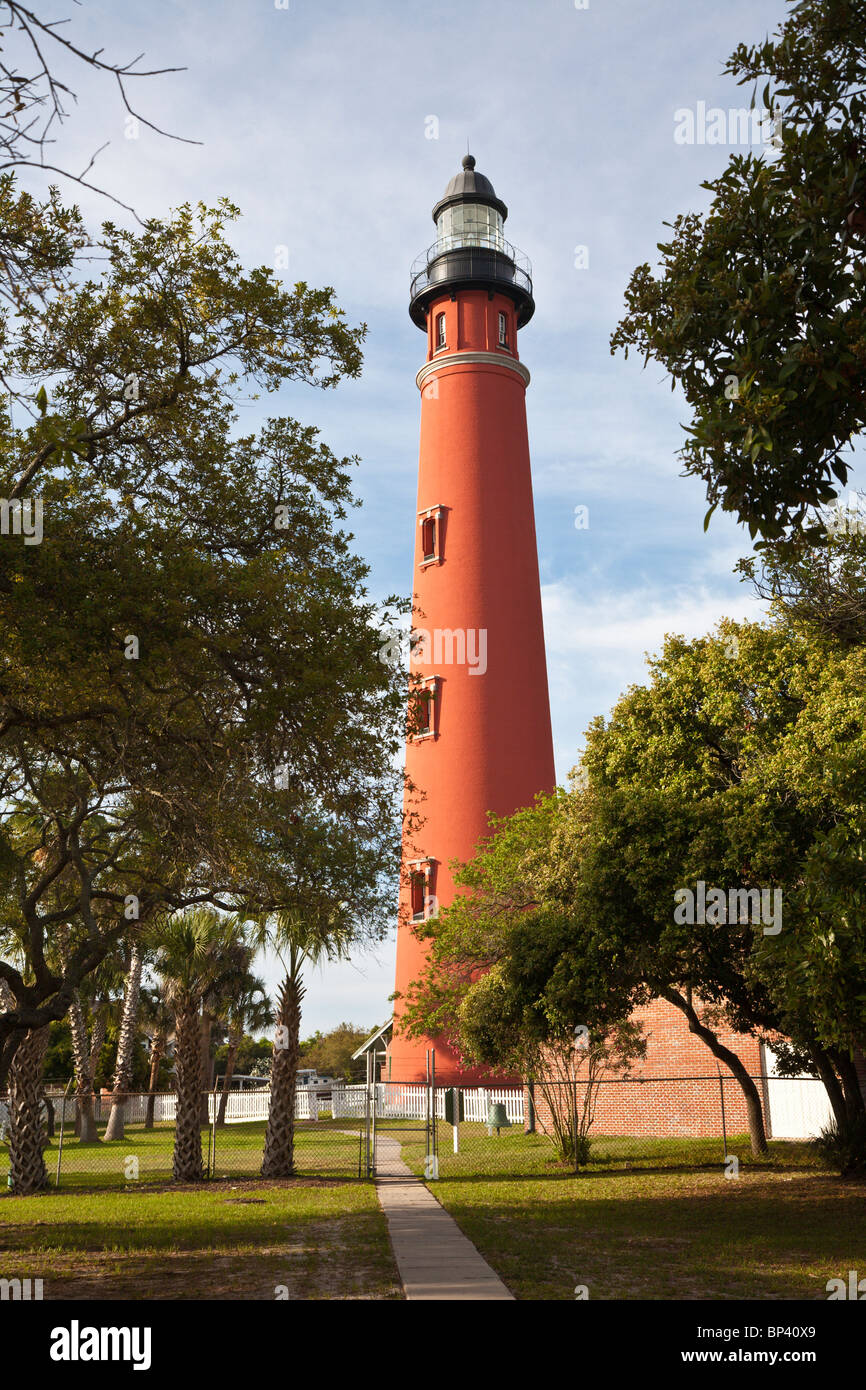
x,y
315,120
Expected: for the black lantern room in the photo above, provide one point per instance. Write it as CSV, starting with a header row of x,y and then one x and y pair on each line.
x,y
470,250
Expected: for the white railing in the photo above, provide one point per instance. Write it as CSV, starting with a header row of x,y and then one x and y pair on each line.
x,y
398,1101
348,1102
241,1106
477,1103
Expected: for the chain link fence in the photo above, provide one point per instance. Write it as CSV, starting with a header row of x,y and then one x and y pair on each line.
x,y
232,1140
622,1124
648,1123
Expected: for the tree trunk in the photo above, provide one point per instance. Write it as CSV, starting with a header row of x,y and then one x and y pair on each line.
x,y
832,1086
235,1039
27,1171
854,1104
279,1155
13,1041
125,1046
529,1127
206,1024
97,1037
157,1052
87,1131
187,1165
754,1108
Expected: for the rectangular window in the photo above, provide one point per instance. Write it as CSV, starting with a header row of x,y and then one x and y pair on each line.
x,y
422,708
432,523
421,889
503,330
440,330
419,894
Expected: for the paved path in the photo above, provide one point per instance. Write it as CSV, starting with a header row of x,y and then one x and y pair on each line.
x,y
434,1257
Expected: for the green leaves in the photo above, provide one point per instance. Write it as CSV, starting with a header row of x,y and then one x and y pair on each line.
x,y
242,749
768,275
727,766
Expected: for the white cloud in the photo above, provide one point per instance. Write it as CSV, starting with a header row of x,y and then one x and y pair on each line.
x,y
597,645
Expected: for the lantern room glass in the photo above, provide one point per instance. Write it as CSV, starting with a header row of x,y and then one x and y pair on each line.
x,y
469,224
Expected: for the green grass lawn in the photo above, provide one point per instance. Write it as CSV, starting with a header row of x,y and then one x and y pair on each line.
x,y
645,1219
512,1152
319,1238
664,1227
320,1150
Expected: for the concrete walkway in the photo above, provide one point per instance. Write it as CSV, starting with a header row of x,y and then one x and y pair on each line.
x,y
434,1257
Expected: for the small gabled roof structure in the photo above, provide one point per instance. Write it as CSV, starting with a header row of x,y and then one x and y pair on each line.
x,y
369,1044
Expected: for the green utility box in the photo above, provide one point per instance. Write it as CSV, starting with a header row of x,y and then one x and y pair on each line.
x,y
454,1109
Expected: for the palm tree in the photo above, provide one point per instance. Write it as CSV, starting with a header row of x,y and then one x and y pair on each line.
x,y
231,979
299,939
157,1018
125,1043
94,996
247,1010
87,1130
26,1130
196,950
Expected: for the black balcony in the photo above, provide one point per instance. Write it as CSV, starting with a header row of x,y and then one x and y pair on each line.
x,y
492,264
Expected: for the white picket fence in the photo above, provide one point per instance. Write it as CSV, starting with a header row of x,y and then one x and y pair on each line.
x,y
477,1103
241,1107
396,1101
253,1105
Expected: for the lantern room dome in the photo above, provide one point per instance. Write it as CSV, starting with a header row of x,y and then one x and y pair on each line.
x,y
470,250
470,187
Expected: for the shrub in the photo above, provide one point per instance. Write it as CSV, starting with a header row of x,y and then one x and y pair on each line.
x,y
845,1149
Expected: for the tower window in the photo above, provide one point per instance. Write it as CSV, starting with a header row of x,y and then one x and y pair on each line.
x,y
503,330
440,330
419,883
431,521
422,903
423,708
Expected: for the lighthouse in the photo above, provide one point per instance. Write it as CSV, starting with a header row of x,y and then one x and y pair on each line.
x,y
479,737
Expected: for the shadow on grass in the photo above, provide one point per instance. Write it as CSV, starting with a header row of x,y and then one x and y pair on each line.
x,y
447,1174
775,1238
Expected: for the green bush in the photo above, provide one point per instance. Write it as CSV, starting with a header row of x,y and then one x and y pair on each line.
x,y
844,1150
573,1149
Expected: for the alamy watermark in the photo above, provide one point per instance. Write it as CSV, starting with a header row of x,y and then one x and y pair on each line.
x,y
21,1290
736,126
714,906
444,646
846,519
855,1289
22,517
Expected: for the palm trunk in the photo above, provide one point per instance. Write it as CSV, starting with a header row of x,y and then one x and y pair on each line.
x,y
27,1171
187,1165
125,1046
231,1060
206,1065
754,1108
87,1131
279,1155
97,1037
157,1052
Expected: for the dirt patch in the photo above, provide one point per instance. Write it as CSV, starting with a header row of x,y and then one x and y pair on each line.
x,y
269,1274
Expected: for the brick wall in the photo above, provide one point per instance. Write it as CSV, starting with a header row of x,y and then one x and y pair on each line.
x,y
689,1105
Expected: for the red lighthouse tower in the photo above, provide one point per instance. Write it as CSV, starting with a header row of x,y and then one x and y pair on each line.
x,y
480,738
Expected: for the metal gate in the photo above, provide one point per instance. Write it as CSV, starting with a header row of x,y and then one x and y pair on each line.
x,y
380,1123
